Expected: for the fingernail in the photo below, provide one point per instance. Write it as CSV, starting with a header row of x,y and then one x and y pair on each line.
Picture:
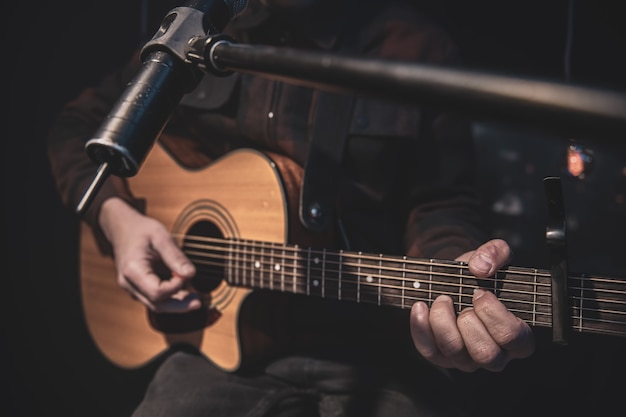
x,y
420,309
186,269
482,263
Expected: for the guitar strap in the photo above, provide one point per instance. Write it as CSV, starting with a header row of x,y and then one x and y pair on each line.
x,y
332,119
318,194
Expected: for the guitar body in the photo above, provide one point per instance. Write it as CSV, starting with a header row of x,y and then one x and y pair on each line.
x,y
252,205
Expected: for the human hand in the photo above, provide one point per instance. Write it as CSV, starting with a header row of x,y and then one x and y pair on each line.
x,y
485,335
150,266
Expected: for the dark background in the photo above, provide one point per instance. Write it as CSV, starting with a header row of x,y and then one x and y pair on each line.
x,y
53,49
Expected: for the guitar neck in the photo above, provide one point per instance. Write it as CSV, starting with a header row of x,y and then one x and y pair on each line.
x,y
597,304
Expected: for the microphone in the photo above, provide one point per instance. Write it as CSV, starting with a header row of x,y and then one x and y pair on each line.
x,y
131,128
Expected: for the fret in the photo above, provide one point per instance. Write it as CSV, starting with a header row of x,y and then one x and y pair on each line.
x,y
242,272
331,273
233,263
467,284
258,267
267,265
261,263
249,263
281,267
323,273
391,282
229,261
236,266
404,282
347,276
316,274
277,267
300,272
248,260
339,275
380,272
533,319
294,269
236,262
578,309
243,264
358,284
308,272
460,300
368,283
431,298
271,268
254,267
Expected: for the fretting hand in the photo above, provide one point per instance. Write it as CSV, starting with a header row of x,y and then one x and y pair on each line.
x,y
486,335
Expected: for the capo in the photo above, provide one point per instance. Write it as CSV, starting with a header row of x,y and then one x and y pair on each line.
x,y
557,245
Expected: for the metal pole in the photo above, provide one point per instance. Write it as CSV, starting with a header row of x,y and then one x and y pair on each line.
x,y
585,112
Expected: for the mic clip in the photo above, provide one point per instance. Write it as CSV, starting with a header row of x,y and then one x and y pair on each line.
x,y
179,31
202,55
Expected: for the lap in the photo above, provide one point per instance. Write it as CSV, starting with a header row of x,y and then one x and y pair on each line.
x,y
186,384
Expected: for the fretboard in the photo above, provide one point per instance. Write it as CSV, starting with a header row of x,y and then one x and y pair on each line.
x,y
597,305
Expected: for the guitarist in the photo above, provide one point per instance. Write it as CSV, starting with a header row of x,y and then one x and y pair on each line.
x,y
403,187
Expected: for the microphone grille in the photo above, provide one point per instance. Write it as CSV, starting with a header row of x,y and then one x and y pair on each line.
x,y
236,7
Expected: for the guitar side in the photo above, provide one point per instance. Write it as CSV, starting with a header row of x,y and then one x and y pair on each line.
x,y
242,195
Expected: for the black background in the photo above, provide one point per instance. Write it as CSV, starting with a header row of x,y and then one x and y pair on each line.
x,y
53,49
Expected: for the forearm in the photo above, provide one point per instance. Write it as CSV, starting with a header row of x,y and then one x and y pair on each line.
x,y
115,216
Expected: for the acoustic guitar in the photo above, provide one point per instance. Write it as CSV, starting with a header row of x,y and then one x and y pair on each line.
x,y
232,219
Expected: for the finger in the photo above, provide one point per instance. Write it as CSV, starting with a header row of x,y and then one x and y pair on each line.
x,y
173,257
422,334
139,278
489,257
507,330
180,302
448,339
483,350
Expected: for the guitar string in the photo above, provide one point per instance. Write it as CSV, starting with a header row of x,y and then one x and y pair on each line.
x,y
298,249
434,273
289,260
280,281
580,323
369,289
297,272
228,247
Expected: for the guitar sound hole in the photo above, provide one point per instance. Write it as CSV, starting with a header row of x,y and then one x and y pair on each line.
x,y
204,244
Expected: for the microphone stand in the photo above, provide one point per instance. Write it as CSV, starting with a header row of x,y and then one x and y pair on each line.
x,y
581,111
560,107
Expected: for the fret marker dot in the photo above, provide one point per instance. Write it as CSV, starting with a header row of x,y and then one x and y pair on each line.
x,y
277,267
369,279
316,260
416,284
316,283
257,264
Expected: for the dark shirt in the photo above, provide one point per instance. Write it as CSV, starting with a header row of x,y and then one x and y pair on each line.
x,y
406,180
